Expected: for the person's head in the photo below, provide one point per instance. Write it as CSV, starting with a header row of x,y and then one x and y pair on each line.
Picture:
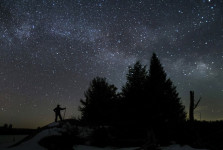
x,y
58,105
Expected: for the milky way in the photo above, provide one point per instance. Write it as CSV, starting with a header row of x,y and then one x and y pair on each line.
x,y
51,50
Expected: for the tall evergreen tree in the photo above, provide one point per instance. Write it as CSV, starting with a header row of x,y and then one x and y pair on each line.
x,y
167,109
164,93
98,107
133,94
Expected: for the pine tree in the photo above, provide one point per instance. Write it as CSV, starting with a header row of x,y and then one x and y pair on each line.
x,y
98,107
133,94
136,78
164,93
167,110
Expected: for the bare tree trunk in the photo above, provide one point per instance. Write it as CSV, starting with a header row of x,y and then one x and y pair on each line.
x,y
192,105
191,111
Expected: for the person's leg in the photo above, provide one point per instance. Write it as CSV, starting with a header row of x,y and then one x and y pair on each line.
x,y
60,117
56,118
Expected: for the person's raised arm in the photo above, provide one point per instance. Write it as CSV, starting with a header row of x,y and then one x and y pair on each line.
x,y
62,108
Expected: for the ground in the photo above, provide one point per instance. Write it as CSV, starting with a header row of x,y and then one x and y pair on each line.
x,y
55,129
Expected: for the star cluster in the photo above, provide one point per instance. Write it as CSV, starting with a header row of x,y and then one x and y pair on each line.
x,y
51,49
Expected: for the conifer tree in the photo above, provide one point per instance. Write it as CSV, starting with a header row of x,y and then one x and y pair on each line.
x,y
167,110
98,107
133,94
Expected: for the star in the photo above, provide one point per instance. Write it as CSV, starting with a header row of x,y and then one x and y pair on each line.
x,y
51,50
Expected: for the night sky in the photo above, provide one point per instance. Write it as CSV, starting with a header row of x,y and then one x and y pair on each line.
x,y
51,49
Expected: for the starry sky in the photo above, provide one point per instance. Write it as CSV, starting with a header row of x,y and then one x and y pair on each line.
x,y
51,49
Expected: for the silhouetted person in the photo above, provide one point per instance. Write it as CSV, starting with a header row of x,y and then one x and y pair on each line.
x,y
57,112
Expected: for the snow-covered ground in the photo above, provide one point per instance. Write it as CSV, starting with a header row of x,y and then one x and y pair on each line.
x,y
52,129
178,147
32,144
172,147
84,147
7,140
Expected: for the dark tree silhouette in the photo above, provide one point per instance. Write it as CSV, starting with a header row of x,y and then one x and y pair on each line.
x,y
133,95
98,107
5,126
192,106
167,110
148,104
10,126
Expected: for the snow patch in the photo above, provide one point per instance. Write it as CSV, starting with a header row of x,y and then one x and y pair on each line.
x,y
178,147
84,147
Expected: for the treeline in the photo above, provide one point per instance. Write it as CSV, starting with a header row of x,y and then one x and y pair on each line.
x,y
16,131
147,107
6,126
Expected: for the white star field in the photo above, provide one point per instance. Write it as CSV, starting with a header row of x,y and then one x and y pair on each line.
x,y
51,49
